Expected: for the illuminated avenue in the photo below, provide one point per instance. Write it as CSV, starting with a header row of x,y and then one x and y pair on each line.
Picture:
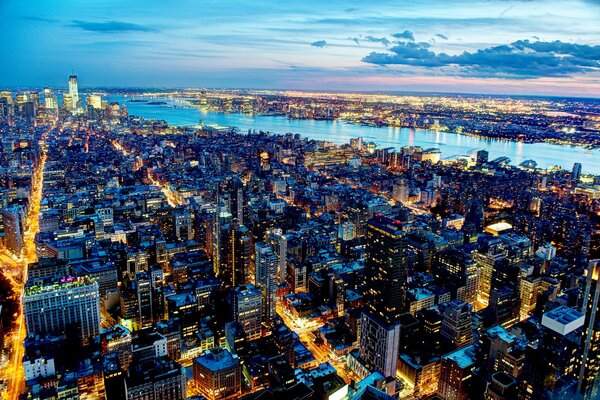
x,y
143,260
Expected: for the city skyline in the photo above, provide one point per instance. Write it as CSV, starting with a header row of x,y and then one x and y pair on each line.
x,y
549,48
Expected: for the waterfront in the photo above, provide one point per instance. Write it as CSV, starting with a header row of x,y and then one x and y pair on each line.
x,y
450,144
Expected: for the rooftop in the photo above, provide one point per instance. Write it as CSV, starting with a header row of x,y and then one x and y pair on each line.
x,y
464,357
217,359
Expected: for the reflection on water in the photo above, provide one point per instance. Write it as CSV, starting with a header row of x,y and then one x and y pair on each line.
x,y
339,132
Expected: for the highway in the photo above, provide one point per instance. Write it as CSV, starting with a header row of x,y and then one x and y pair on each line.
x,y
17,274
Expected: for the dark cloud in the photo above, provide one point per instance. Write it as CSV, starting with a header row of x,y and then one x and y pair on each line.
x,y
111,26
441,36
39,19
319,43
520,59
406,35
383,40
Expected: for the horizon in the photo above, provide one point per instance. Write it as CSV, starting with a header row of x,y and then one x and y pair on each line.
x,y
531,48
415,93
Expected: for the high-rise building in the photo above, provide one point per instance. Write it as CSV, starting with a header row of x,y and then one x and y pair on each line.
x,y
456,329
456,374
94,101
246,304
50,101
482,157
218,374
590,359
54,304
576,172
14,221
222,245
550,370
241,255
155,379
385,277
266,264
386,269
502,387
278,243
74,91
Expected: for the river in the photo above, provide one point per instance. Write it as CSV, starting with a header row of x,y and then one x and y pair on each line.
x,y
450,144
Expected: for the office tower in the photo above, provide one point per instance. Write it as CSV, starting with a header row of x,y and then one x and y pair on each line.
x,y
234,188
502,387
456,374
94,101
54,304
3,109
143,287
576,172
284,341
74,91
222,265
482,157
14,225
401,192
241,255
346,231
155,379
183,225
385,277
550,369
503,308
590,359
218,374
266,264
488,259
474,219
455,269
67,103
278,243
246,304
50,101
456,329
497,350
386,270
28,111
530,290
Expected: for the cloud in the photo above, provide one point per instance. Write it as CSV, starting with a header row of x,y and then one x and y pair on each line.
x,y
111,26
383,40
355,39
319,43
406,35
521,59
441,36
39,19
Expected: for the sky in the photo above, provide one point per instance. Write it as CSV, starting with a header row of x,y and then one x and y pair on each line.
x,y
543,47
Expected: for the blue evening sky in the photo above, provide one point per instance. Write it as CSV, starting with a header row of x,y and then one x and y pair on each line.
x,y
487,46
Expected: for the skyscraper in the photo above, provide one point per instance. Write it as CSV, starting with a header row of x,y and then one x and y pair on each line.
x,y
576,173
13,219
246,307
590,359
456,329
74,91
482,157
218,374
279,245
50,306
385,278
50,101
266,278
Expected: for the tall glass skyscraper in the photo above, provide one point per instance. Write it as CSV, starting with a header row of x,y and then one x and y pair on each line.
x,y
74,90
